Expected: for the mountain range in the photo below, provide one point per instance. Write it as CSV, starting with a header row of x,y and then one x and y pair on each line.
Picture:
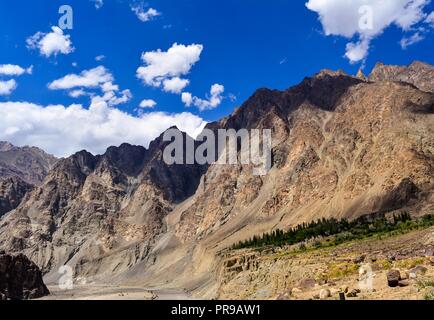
x,y
343,146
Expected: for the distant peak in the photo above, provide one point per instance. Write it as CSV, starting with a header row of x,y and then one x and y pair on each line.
x,y
6,146
361,75
330,73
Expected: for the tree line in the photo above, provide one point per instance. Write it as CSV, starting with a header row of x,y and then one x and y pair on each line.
x,y
343,230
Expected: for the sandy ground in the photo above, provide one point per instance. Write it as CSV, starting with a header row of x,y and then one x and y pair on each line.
x,y
105,292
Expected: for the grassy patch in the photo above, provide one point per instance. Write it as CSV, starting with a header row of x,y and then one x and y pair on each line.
x,y
429,295
410,263
342,270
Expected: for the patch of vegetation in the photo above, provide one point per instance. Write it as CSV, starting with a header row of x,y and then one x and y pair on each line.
x,y
429,286
410,263
342,270
425,284
429,295
384,264
341,230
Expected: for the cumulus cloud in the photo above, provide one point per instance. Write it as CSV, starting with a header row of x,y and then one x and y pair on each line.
x,y
365,20
147,103
213,101
143,14
96,78
165,68
7,87
77,93
14,70
51,43
175,85
64,130
88,78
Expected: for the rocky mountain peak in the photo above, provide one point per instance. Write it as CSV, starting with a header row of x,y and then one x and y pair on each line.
x,y
419,74
27,163
330,73
6,146
360,74
126,158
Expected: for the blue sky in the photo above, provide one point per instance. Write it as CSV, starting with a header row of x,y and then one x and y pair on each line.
x,y
246,45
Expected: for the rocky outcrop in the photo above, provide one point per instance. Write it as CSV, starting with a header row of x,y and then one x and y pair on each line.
x,y
418,73
20,278
12,192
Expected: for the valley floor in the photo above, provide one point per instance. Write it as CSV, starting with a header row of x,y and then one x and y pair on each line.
x,y
290,274
107,292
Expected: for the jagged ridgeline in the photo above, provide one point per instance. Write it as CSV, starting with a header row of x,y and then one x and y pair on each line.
x,y
342,147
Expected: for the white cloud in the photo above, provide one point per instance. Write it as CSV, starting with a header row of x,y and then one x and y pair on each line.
x,y
64,130
148,103
51,43
430,19
357,51
98,3
366,20
165,68
408,41
112,99
100,58
187,98
7,87
77,93
96,78
88,78
144,16
175,85
14,70
212,102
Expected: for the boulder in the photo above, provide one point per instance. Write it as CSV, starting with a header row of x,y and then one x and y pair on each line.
x,y
359,259
20,278
307,283
403,283
324,294
353,293
393,278
416,271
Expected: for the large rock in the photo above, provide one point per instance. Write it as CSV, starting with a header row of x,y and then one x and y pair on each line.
x,y
324,294
416,271
393,278
20,278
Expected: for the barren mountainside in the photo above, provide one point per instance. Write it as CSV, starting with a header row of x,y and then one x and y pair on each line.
x,y
343,146
27,163
20,170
